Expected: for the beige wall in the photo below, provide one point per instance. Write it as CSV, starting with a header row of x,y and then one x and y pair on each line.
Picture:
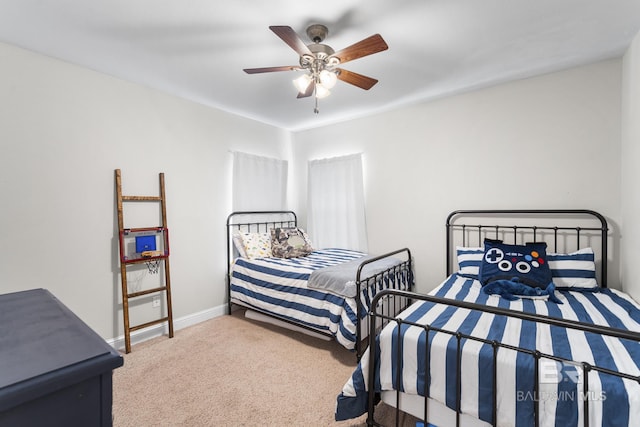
x,y
547,142
63,132
630,168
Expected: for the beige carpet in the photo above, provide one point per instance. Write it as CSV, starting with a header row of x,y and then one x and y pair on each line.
x,y
231,371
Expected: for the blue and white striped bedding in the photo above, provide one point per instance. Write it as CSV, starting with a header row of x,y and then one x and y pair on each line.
x,y
279,286
612,401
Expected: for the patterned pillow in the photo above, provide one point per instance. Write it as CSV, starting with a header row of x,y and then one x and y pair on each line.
x,y
256,245
290,242
574,271
469,261
526,262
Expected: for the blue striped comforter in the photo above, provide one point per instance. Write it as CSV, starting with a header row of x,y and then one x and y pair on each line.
x,y
279,286
612,401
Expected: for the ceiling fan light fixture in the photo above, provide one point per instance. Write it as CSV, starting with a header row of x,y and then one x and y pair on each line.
x,y
302,82
322,91
328,78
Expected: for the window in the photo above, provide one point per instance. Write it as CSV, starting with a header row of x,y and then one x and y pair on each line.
x,y
335,199
259,183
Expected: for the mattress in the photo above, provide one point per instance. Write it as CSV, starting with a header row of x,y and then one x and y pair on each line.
x,y
278,286
612,401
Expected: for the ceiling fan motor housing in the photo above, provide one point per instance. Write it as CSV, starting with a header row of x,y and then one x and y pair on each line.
x,y
321,50
321,57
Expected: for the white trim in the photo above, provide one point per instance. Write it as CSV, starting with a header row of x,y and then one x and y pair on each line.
x,y
158,330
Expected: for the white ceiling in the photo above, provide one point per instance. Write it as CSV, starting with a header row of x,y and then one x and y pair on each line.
x,y
196,49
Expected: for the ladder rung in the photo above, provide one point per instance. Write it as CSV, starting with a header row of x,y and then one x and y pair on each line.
x,y
142,198
145,325
143,260
147,292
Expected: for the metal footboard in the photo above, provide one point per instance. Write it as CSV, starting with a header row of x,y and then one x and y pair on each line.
x,y
398,277
379,317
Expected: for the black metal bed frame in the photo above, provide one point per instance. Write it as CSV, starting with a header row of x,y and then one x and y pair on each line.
x,y
601,230
552,234
273,219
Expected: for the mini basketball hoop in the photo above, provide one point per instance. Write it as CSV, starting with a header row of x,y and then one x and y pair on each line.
x,y
153,266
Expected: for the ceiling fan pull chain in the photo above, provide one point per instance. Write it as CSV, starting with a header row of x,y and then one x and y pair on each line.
x,y
315,109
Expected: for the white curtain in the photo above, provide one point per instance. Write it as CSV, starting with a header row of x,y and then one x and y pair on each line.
x,y
259,183
335,203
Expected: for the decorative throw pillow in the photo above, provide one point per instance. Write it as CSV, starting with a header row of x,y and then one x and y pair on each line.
x,y
469,261
290,242
256,245
574,271
526,262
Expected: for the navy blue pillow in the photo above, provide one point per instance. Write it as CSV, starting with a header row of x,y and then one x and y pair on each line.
x,y
526,262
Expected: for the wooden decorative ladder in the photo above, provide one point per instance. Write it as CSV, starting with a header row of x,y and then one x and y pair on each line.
x,y
126,261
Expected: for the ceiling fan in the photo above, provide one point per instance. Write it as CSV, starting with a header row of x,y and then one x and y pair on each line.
x,y
321,63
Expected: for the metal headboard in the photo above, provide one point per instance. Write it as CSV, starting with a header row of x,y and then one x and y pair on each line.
x,y
253,221
564,230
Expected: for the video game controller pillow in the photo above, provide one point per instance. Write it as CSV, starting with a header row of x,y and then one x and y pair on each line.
x,y
526,262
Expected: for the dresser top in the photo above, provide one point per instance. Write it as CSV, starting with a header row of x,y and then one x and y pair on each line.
x,y
39,336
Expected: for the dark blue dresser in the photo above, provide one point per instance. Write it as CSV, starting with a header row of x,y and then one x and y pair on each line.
x,y
54,370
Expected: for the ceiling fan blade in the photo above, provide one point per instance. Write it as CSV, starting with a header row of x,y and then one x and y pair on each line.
x,y
368,46
291,38
307,92
271,69
356,79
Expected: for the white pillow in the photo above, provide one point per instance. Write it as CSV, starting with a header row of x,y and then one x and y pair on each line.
x,y
239,244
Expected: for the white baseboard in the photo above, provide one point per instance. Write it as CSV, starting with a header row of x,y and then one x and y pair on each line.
x,y
158,330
